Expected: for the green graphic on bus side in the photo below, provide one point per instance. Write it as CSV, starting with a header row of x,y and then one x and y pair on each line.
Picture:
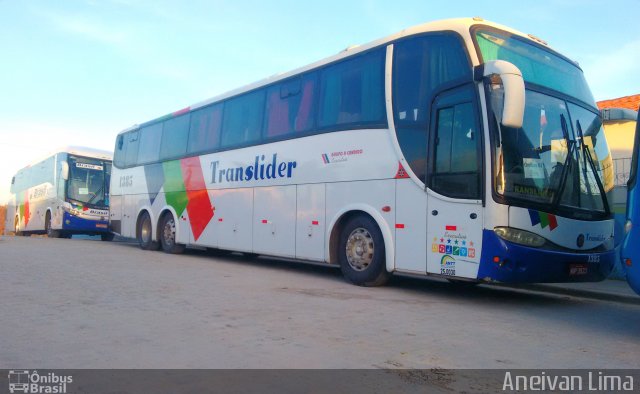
x,y
175,193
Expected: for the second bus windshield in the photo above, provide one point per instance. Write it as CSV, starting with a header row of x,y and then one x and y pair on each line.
x,y
88,181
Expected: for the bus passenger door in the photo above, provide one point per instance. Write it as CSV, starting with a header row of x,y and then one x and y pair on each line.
x,y
454,185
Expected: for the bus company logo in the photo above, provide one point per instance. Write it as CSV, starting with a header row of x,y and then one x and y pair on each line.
x,y
596,238
263,168
340,156
25,381
38,192
543,219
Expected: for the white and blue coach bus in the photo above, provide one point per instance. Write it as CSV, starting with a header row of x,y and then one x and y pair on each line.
x,y
64,194
458,148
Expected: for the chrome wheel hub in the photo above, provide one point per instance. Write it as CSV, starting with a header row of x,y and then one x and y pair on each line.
x,y
360,249
169,232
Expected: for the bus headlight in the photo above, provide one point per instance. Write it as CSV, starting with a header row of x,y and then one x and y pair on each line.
x,y
519,236
627,227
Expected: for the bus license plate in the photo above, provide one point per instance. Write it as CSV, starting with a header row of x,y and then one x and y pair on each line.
x,y
578,269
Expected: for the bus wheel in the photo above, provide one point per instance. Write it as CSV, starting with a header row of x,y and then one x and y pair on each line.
x,y
107,237
51,233
16,227
361,252
167,229
145,240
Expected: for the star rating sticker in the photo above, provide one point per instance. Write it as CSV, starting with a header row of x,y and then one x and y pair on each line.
x,y
441,240
464,243
448,241
470,243
456,242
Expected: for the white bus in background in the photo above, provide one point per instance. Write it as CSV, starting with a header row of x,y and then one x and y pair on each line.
x,y
459,148
67,193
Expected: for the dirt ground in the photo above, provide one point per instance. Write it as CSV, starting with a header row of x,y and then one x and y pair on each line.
x,y
84,303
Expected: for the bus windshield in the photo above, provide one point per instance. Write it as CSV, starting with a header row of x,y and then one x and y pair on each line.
x,y
538,65
89,181
559,158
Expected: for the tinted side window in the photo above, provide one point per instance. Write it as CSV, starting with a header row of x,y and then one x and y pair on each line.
x,y
132,143
204,132
290,106
456,170
150,137
242,120
352,91
44,171
21,181
174,137
120,151
421,66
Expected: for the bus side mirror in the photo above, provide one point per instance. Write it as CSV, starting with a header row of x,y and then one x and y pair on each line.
x,y
513,85
64,170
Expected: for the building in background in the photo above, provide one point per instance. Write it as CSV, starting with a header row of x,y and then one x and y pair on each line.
x,y
619,117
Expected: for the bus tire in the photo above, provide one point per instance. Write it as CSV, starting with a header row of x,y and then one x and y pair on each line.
x,y
144,234
51,233
16,227
361,252
167,235
107,237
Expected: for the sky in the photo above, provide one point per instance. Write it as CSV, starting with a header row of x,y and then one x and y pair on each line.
x,y
77,72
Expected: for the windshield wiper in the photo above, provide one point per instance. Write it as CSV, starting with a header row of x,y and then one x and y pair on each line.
x,y
567,162
586,153
96,194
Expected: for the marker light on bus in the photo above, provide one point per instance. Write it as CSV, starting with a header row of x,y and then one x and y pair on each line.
x,y
627,262
627,227
519,236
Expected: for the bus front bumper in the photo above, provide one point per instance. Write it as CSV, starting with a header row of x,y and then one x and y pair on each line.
x,y
75,223
504,261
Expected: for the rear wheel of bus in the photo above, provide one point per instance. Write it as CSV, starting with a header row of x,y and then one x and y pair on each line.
x,y
167,232
361,252
143,233
16,227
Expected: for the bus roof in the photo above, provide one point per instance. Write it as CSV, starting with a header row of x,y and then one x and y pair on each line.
x,y
458,25
74,150
87,152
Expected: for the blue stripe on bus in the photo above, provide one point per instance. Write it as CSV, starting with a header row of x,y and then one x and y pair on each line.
x,y
75,223
522,264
